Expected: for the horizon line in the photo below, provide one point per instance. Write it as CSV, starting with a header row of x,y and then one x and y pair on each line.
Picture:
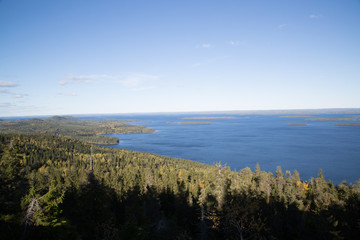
x,y
322,110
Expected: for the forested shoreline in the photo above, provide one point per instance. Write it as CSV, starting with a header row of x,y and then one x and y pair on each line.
x,y
87,130
49,191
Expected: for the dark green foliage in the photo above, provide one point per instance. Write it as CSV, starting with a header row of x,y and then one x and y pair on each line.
x,y
49,192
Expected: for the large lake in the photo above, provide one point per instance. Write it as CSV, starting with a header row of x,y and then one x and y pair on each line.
x,y
245,140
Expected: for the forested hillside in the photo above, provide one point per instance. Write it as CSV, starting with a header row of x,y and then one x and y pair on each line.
x,y
50,191
86,130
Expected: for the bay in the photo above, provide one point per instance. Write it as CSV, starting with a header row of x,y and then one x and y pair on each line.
x,y
245,140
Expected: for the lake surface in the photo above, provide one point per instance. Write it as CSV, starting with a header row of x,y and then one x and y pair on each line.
x,y
249,139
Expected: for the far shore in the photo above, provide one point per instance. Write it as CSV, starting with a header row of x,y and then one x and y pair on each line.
x,y
329,119
348,124
208,117
195,123
295,116
303,124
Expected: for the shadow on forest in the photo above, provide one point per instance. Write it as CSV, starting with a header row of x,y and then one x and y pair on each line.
x,y
208,204
99,213
95,211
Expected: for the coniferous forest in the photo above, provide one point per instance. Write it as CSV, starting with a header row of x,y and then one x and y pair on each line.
x,y
54,187
87,130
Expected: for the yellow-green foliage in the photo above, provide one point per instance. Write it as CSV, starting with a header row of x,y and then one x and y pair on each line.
x,y
142,195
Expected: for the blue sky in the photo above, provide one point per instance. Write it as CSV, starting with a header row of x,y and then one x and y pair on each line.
x,y
84,56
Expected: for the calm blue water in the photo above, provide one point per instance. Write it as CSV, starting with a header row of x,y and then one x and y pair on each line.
x,y
247,140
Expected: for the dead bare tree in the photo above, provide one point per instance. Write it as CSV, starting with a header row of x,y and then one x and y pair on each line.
x,y
32,208
12,144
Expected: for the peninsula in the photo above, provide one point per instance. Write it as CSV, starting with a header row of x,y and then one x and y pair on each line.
x,y
88,130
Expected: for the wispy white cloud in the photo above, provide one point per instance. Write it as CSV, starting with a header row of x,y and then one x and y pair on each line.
x,y
80,78
63,83
19,95
14,95
6,105
71,78
236,43
68,94
136,80
18,108
133,81
314,16
282,26
209,61
7,84
198,64
143,88
205,45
